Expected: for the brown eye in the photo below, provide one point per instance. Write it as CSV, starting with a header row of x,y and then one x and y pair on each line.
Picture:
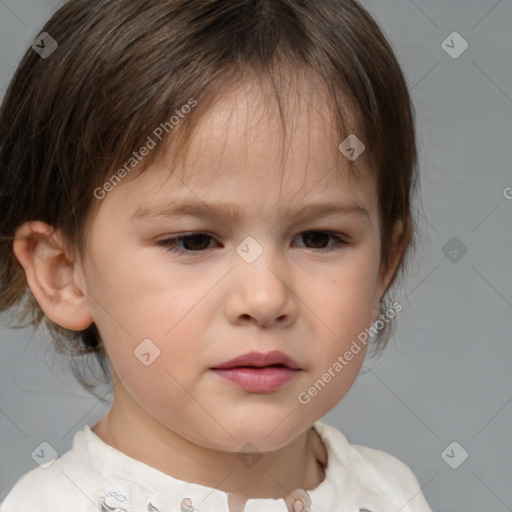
x,y
320,240
193,242
317,238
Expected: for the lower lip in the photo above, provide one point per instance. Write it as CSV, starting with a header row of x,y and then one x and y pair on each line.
x,y
258,380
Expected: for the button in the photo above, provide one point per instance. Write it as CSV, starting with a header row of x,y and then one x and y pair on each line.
x,y
186,505
298,501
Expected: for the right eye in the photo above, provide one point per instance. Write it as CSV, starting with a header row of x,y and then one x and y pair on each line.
x,y
192,242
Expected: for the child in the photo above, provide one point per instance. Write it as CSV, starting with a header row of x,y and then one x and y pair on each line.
x,y
132,129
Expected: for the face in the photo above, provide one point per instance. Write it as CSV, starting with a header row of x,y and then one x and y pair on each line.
x,y
257,276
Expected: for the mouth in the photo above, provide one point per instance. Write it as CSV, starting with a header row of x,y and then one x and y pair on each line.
x,y
256,367
255,360
258,379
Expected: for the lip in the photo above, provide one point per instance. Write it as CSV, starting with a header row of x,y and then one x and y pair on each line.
x,y
259,359
257,372
264,379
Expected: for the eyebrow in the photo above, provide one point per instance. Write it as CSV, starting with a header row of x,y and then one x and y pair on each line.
x,y
231,213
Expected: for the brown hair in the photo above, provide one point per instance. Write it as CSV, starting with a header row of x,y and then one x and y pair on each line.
x,y
124,67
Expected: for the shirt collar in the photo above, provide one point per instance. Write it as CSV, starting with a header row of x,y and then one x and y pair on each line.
x,y
165,493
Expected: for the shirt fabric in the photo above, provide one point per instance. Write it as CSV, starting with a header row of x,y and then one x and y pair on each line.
x,y
94,476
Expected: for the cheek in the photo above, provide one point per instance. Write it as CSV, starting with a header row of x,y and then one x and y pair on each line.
x,y
140,296
153,333
346,299
342,309
156,370
133,299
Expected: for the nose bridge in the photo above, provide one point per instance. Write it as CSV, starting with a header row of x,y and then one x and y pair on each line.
x,y
262,290
260,259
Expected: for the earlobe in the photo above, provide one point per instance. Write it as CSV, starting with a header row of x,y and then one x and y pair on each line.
x,y
375,313
53,274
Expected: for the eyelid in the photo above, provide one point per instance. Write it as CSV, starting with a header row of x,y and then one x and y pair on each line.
x,y
341,242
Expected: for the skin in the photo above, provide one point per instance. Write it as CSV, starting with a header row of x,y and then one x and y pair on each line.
x,y
203,308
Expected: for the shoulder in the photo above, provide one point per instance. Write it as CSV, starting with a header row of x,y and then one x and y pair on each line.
x,y
376,474
393,476
62,486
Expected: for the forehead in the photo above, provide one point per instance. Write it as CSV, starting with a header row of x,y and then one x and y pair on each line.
x,y
261,153
250,131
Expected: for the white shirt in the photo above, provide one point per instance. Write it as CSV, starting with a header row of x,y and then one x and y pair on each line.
x,y
94,476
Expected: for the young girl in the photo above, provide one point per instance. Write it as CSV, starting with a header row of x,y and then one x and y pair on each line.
x,y
133,129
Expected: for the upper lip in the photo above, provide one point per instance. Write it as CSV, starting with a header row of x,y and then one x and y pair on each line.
x,y
259,359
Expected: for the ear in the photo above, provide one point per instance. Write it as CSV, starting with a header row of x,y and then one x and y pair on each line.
x,y
55,275
396,250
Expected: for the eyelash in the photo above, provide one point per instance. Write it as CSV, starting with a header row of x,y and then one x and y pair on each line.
x,y
168,243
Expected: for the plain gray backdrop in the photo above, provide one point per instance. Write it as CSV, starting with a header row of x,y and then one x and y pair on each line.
x,y
445,376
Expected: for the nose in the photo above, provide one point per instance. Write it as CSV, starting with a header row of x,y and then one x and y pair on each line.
x,y
262,291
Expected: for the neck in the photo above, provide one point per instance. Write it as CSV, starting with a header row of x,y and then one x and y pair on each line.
x,y
130,429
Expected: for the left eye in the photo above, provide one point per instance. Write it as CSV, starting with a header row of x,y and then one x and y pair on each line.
x,y
199,242
318,237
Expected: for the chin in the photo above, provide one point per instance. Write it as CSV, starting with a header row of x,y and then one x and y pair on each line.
x,y
260,436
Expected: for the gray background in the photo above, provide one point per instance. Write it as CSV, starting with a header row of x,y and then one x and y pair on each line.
x,y
445,376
